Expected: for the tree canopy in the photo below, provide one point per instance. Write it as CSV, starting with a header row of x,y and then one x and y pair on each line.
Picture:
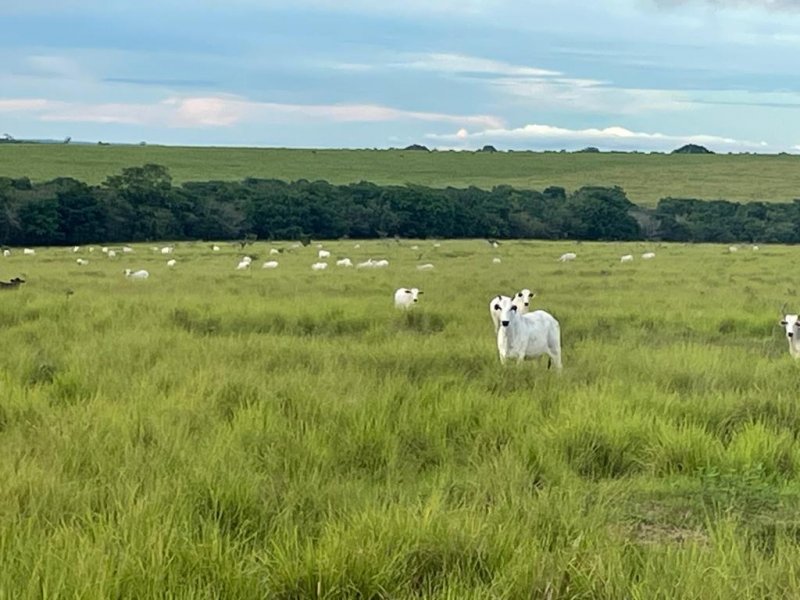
x,y
141,203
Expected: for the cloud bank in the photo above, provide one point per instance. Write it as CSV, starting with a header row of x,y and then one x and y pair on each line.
x,y
548,137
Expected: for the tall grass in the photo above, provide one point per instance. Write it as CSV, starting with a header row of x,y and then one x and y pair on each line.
x,y
288,434
645,177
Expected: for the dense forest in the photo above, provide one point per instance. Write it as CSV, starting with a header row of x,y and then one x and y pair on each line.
x,y
141,203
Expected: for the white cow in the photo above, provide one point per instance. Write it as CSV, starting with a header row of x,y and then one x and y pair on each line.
x,y
141,274
405,298
626,258
425,267
172,262
82,262
496,261
6,252
791,325
530,335
567,256
523,300
648,255
29,251
270,264
344,262
323,254
367,264
319,266
494,309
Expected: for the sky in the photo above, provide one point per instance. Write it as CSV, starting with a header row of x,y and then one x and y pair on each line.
x,y
646,75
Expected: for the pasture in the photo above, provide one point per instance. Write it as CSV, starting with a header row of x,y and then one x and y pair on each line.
x,y
285,433
646,178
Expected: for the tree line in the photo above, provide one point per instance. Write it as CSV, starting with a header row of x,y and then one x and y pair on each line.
x,y
142,203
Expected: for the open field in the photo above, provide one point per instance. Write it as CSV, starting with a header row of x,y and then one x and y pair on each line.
x,y
645,178
287,434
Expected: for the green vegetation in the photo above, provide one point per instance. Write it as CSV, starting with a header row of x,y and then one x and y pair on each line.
x,y
645,178
286,434
141,204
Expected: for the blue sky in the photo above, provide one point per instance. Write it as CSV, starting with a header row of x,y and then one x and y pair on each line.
x,y
536,74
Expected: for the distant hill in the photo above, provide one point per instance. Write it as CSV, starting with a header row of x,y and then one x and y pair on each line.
x,y
692,149
418,147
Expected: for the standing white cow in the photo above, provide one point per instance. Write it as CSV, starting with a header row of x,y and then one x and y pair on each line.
x,y
530,335
626,258
494,309
405,298
523,300
791,325
567,256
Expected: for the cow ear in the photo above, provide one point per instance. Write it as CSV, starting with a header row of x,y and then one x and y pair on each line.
x,y
420,292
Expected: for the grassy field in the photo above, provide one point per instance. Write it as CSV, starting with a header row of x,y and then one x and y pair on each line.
x,y
209,433
646,178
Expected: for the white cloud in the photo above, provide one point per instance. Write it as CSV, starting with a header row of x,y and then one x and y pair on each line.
x,y
25,104
53,67
736,4
224,111
586,95
545,88
536,136
424,7
462,64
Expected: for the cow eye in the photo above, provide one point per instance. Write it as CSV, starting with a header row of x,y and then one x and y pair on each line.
x,y
497,307
520,294
514,308
783,323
